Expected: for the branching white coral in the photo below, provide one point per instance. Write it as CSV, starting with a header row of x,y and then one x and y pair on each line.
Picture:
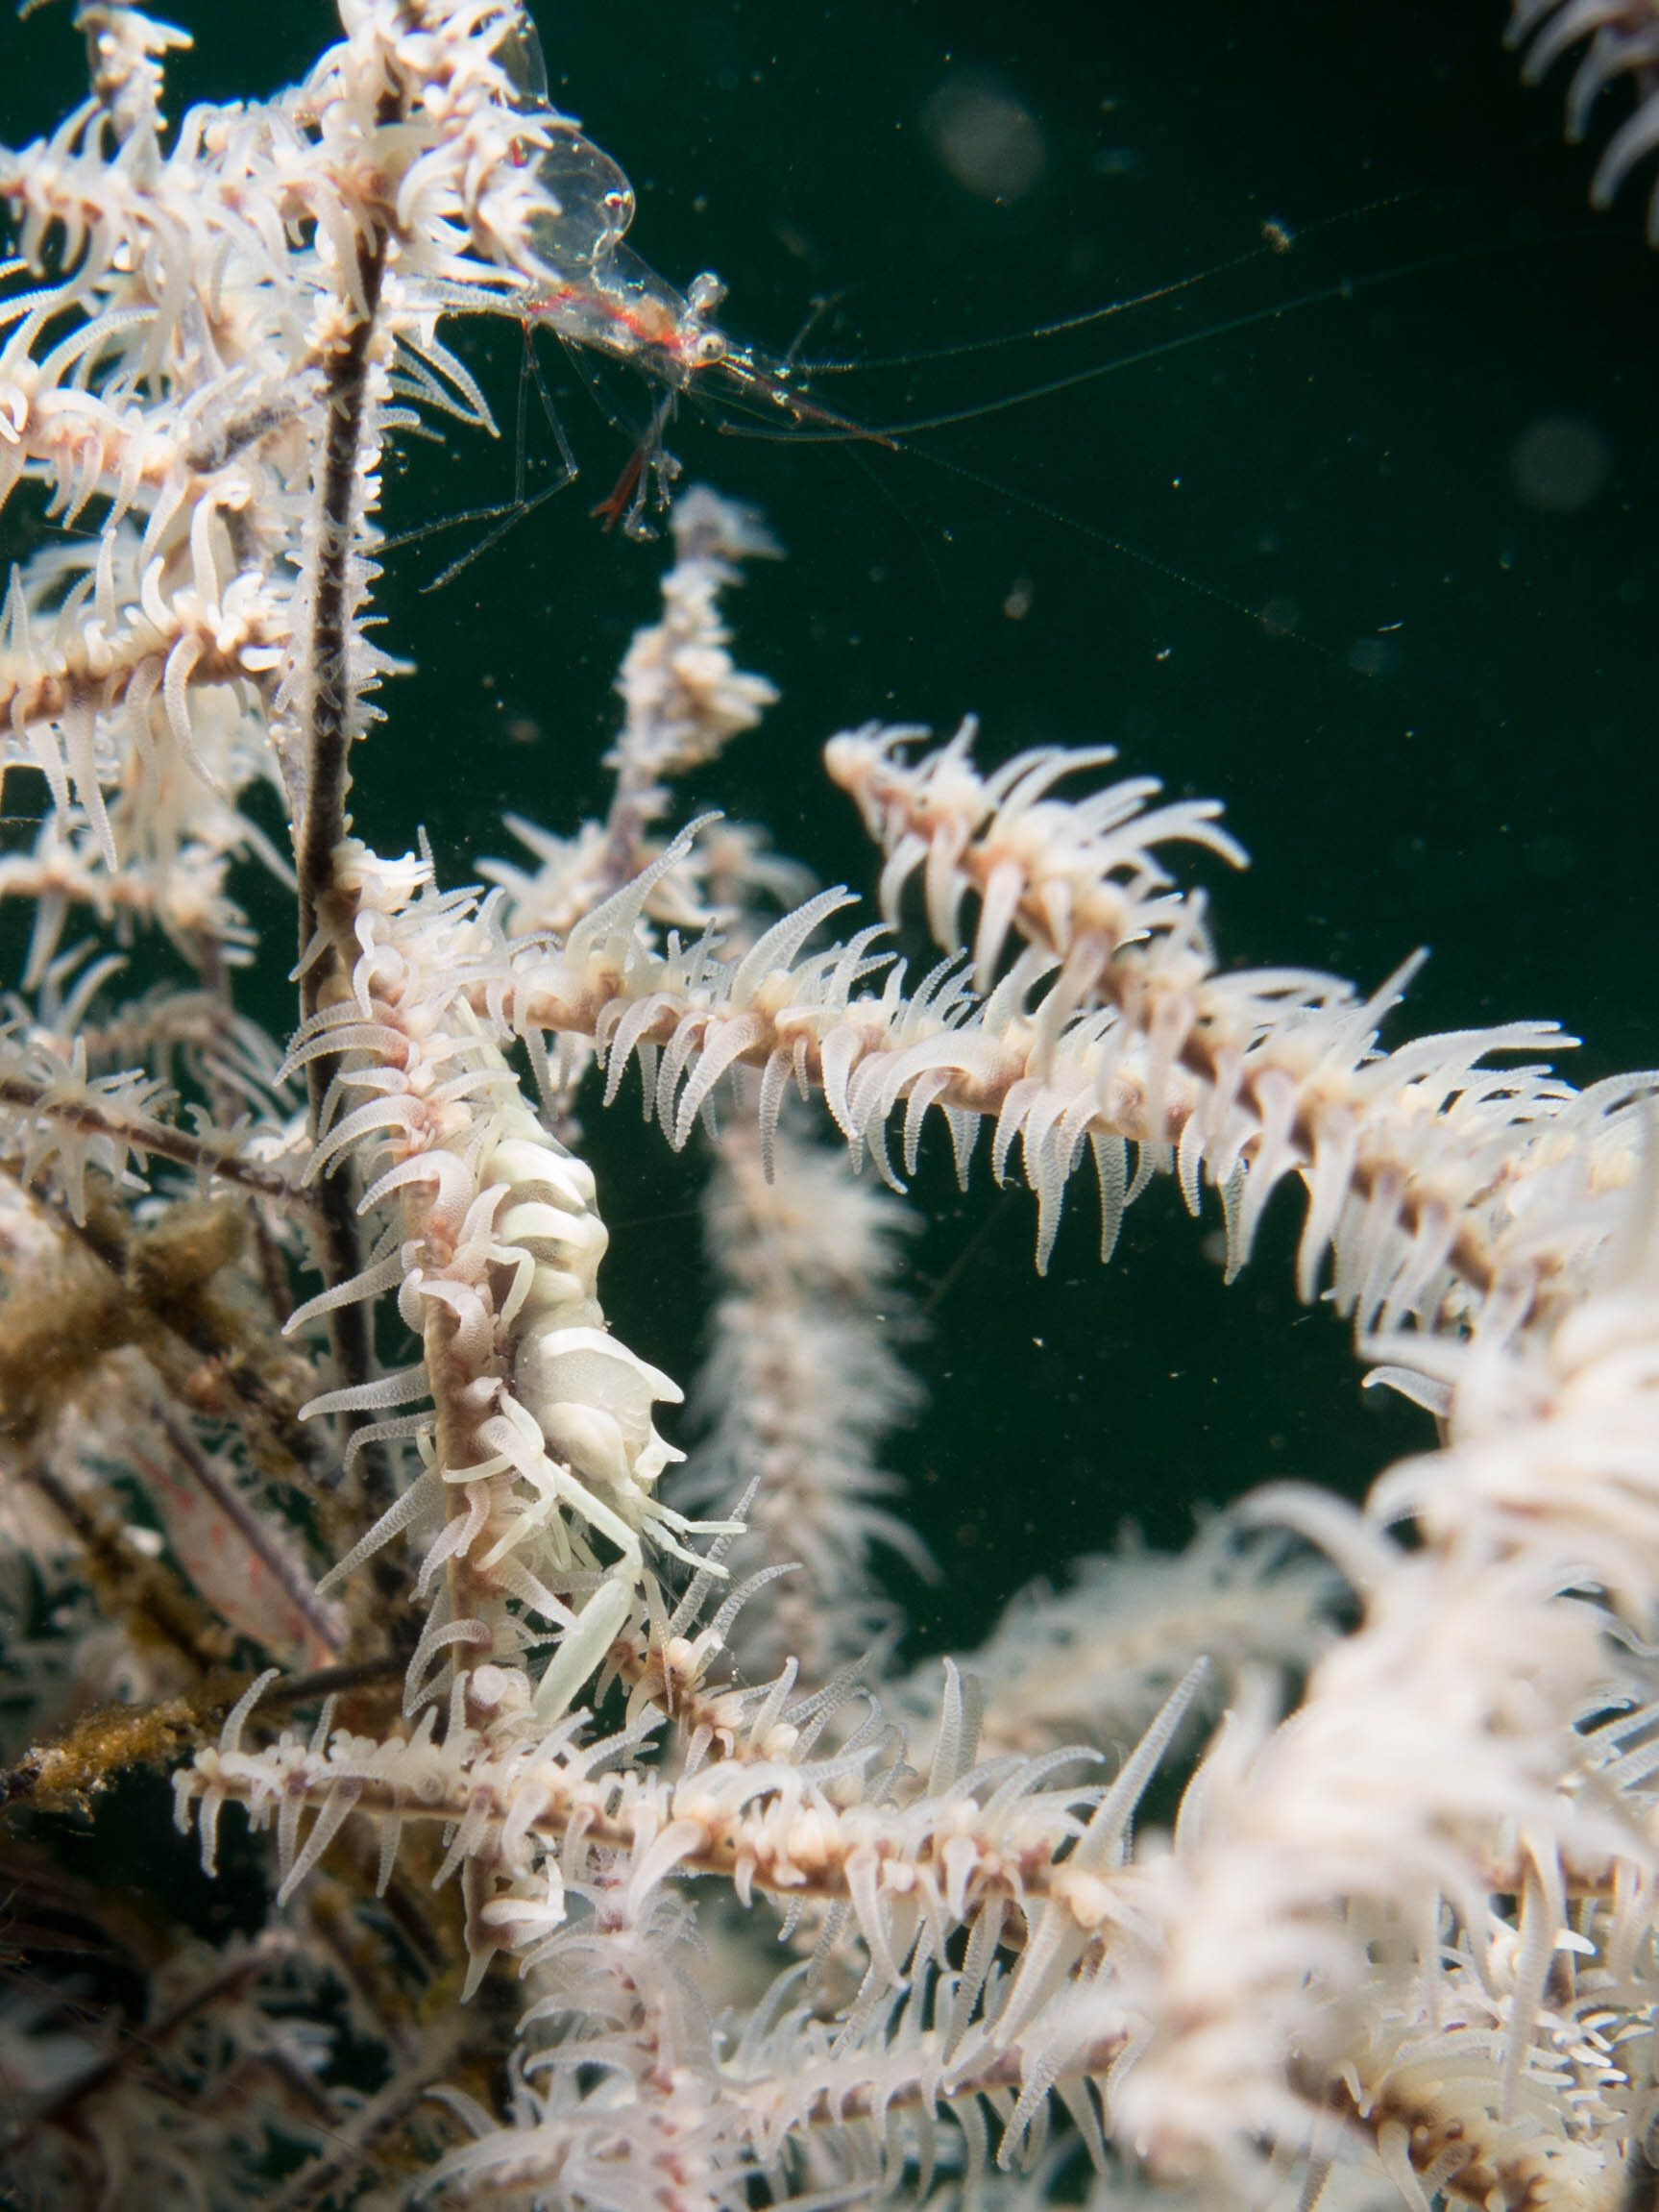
x,y
1392,1905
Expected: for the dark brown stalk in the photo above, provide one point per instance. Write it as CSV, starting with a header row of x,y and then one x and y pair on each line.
x,y
333,724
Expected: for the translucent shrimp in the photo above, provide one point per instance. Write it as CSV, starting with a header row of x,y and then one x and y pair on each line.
x,y
589,287
596,295
595,291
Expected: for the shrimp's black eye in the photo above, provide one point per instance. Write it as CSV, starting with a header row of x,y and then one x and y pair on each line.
x,y
710,348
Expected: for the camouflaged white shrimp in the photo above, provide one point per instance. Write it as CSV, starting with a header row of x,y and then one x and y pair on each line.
x,y
581,1400
541,1427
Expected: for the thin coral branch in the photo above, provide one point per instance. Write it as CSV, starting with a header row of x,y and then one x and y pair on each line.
x,y
1414,1160
333,719
92,1118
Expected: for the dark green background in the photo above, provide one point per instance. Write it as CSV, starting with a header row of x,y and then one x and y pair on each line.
x,y
1487,790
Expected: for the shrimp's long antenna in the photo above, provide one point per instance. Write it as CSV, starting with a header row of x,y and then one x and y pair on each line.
x,y
1141,558
1027,501
1344,288
886,492
897,439
1138,555
1275,240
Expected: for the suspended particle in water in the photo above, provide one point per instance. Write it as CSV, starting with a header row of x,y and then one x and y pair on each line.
x,y
985,137
1558,464
1281,617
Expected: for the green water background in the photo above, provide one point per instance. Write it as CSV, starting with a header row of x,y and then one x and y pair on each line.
x,y
1453,749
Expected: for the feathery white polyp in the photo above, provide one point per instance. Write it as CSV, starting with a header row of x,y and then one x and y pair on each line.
x,y
1425,1171
1624,38
1080,877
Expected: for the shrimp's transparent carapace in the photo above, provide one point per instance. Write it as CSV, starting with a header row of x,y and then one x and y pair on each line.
x,y
594,199
589,286
596,292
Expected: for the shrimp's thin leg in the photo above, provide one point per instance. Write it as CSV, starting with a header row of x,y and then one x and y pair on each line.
x,y
609,510
514,514
532,362
430,530
508,514
650,462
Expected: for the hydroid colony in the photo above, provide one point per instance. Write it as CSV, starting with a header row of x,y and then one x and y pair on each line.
x,y
326,1473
